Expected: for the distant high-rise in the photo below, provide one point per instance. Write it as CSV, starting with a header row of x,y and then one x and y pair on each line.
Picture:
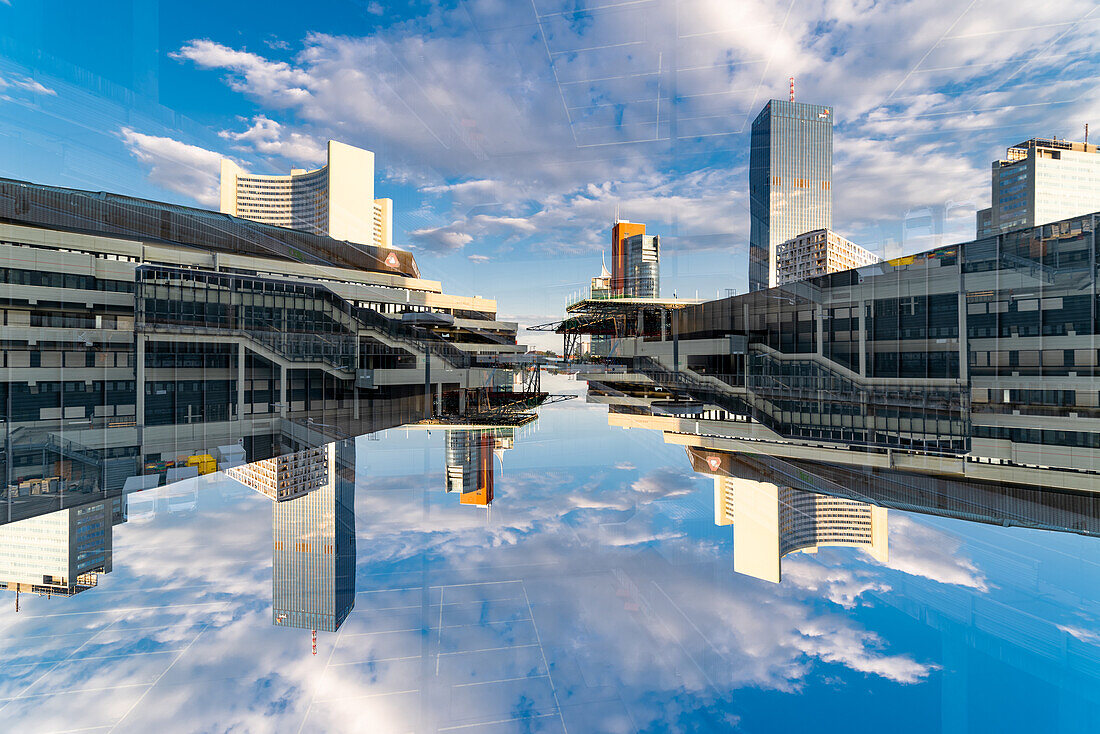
x,y
285,477
790,181
336,199
643,266
313,580
59,553
1040,181
620,231
470,465
817,253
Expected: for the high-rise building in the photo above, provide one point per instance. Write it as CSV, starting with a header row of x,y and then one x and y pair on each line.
x,y
470,470
819,252
620,231
336,199
313,580
286,477
643,263
1040,181
790,181
58,553
772,522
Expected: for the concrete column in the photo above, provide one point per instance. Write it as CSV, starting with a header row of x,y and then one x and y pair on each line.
x,y
139,385
283,405
862,308
427,385
439,396
354,388
240,381
664,329
964,357
821,311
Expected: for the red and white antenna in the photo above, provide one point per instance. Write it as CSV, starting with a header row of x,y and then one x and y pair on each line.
x,y
792,88
314,641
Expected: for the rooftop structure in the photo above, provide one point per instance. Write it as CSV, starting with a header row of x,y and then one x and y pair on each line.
x,y
1041,180
819,252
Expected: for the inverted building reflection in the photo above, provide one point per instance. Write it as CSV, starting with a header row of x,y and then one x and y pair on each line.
x,y
60,553
141,338
313,533
772,521
782,498
470,470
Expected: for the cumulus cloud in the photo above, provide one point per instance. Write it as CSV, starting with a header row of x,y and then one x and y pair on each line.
x,y
270,138
176,166
516,116
920,550
441,239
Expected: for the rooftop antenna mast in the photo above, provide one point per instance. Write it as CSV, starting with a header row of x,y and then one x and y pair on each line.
x,y
1086,133
792,88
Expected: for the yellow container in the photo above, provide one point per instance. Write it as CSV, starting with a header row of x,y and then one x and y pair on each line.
x,y
205,463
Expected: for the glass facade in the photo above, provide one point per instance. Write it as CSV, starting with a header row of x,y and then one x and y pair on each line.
x,y
790,181
990,348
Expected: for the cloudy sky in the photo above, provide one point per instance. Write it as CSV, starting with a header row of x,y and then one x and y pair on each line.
x,y
509,133
611,580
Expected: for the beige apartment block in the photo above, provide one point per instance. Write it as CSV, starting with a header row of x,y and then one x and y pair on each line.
x,y
819,252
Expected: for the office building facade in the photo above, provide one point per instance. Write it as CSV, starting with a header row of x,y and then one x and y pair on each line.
x,y
137,333
1041,180
621,230
817,253
790,181
313,547
643,266
59,553
335,200
980,359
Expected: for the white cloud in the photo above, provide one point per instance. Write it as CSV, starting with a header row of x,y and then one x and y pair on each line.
x,y
176,166
544,152
442,239
270,138
27,84
920,550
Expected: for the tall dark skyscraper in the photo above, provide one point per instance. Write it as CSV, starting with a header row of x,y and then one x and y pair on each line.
x,y
313,581
790,181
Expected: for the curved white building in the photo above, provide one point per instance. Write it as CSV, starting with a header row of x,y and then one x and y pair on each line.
x,y
336,200
772,522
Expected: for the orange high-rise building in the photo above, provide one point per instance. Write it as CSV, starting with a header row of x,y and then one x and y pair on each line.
x,y
619,232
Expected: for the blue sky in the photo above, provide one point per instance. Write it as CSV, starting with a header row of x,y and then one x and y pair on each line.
x,y
509,133
640,617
